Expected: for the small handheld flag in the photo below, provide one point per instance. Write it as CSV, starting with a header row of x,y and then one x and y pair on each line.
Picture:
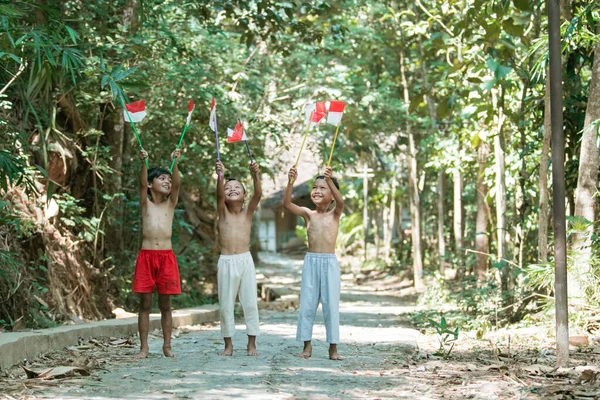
x,y
212,122
191,107
135,112
336,110
334,117
188,120
237,134
315,112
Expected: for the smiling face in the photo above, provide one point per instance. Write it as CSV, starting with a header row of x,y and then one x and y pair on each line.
x,y
234,191
320,193
161,184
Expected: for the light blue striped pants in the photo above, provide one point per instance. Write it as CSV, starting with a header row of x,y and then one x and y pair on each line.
x,y
320,281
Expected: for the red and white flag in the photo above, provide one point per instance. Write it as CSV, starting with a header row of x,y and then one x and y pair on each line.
x,y
135,112
191,107
318,111
212,121
336,110
237,134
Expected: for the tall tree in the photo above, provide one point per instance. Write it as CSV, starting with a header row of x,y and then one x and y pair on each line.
x,y
481,219
413,188
587,183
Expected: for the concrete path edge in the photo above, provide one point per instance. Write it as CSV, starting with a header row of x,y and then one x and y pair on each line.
x,y
18,346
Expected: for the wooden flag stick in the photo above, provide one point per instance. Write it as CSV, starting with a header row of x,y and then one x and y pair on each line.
x,y
304,140
249,153
133,127
333,144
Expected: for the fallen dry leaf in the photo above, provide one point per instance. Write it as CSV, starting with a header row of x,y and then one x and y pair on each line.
x,y
120,341
55,372
581,341
538,369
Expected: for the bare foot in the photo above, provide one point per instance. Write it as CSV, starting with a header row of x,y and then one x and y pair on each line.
x,y
227,352
141,354
333,354
167,352
307,352
252,351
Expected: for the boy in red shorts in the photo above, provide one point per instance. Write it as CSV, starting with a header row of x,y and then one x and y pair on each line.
x,y
156,264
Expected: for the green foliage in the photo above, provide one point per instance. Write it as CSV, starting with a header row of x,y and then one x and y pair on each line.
x,y
302,234
446,337
350,232
66,63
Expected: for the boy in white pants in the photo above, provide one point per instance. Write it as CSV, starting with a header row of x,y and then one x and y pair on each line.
x,y
236,274
320,272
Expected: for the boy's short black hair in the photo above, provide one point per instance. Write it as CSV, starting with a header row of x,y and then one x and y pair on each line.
x,y
237,180
335,182
154,173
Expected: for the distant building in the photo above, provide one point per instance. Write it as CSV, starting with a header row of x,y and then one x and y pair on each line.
x,y
277,226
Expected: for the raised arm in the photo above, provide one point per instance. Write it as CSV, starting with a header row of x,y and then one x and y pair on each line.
x,y
220,189
337,196
255,199
175,178
287,196
143,180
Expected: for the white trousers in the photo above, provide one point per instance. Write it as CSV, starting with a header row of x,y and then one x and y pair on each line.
x,y
320,281
236,276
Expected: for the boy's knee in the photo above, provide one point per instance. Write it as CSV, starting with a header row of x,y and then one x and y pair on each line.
x,y
164,304
145,306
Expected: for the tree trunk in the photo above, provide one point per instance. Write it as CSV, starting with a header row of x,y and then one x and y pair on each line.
x,y
440,209
376,235
389,218
521,202
365,210
113,128
499,153
481,221
413,190
544,212
587,185
458,212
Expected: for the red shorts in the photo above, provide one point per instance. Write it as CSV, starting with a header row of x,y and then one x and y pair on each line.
x,y
156,268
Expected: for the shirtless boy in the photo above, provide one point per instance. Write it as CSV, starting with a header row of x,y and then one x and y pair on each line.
x,y
236,274
156,264
320,272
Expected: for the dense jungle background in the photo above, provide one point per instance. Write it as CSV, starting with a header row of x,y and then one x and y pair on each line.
x,y
446,109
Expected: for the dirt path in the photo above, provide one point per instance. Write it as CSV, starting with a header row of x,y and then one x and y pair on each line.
x,y
375,344
385,358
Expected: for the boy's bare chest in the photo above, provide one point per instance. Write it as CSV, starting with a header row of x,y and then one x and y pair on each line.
x,y
322,222
240,220
158,212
